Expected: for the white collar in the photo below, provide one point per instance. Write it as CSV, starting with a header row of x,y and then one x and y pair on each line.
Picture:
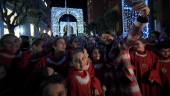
x,y
141,55
56,63
83,80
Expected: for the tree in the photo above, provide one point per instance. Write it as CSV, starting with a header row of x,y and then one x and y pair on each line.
x,y
19,10
91,28
105,23
110,18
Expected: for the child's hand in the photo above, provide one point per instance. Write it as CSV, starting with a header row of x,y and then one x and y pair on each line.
x,y
50,71
145,11
96,92
104,88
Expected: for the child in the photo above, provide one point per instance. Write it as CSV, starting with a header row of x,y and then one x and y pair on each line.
x,y
54,86
146,68
58,59
95,83
10,45
33,67
164,60
80,81
99,67
34,57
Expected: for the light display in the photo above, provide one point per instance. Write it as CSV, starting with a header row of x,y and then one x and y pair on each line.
x,y
129,16
57,13
70,25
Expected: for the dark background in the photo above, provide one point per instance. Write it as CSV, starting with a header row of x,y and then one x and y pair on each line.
x,y
72,4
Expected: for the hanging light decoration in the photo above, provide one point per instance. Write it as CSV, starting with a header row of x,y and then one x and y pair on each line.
x,y
129,16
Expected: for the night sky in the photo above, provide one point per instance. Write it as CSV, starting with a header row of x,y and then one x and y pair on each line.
x,y
72,4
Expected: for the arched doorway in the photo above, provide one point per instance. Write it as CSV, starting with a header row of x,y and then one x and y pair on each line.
x,y
67,25
58,13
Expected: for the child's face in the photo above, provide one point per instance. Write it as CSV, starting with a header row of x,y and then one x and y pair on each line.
x,y
165,52
75,43
140,46
79,61
57,90
38,48
133,36
107,38
60,45
96,54
12,45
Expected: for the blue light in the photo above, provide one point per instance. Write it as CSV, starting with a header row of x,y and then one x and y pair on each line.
x,y
128,17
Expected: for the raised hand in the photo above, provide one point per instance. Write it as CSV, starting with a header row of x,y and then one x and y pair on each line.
x,y
140,6
144,11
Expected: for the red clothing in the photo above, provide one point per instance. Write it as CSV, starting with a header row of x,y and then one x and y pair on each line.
x,y
79,83
95,83
127,81
165,71
33,67
35,62
91,69
146,69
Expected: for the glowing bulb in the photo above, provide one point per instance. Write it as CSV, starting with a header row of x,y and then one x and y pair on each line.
x,y
32,29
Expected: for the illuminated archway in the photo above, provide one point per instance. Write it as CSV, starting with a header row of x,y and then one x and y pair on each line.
x,y
57,13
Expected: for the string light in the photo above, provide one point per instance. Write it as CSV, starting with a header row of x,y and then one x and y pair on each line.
x,y
128,17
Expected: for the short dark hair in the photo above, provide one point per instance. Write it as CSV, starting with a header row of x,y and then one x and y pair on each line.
x,y
5,37
77,50
56,39
164,44
37,41
54,79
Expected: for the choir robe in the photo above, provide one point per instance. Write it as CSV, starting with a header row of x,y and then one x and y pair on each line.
x,y
79,83
9,82
99,70
33,71
146,69
95,82
59,64
32,65
127,84
33,61
165,71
